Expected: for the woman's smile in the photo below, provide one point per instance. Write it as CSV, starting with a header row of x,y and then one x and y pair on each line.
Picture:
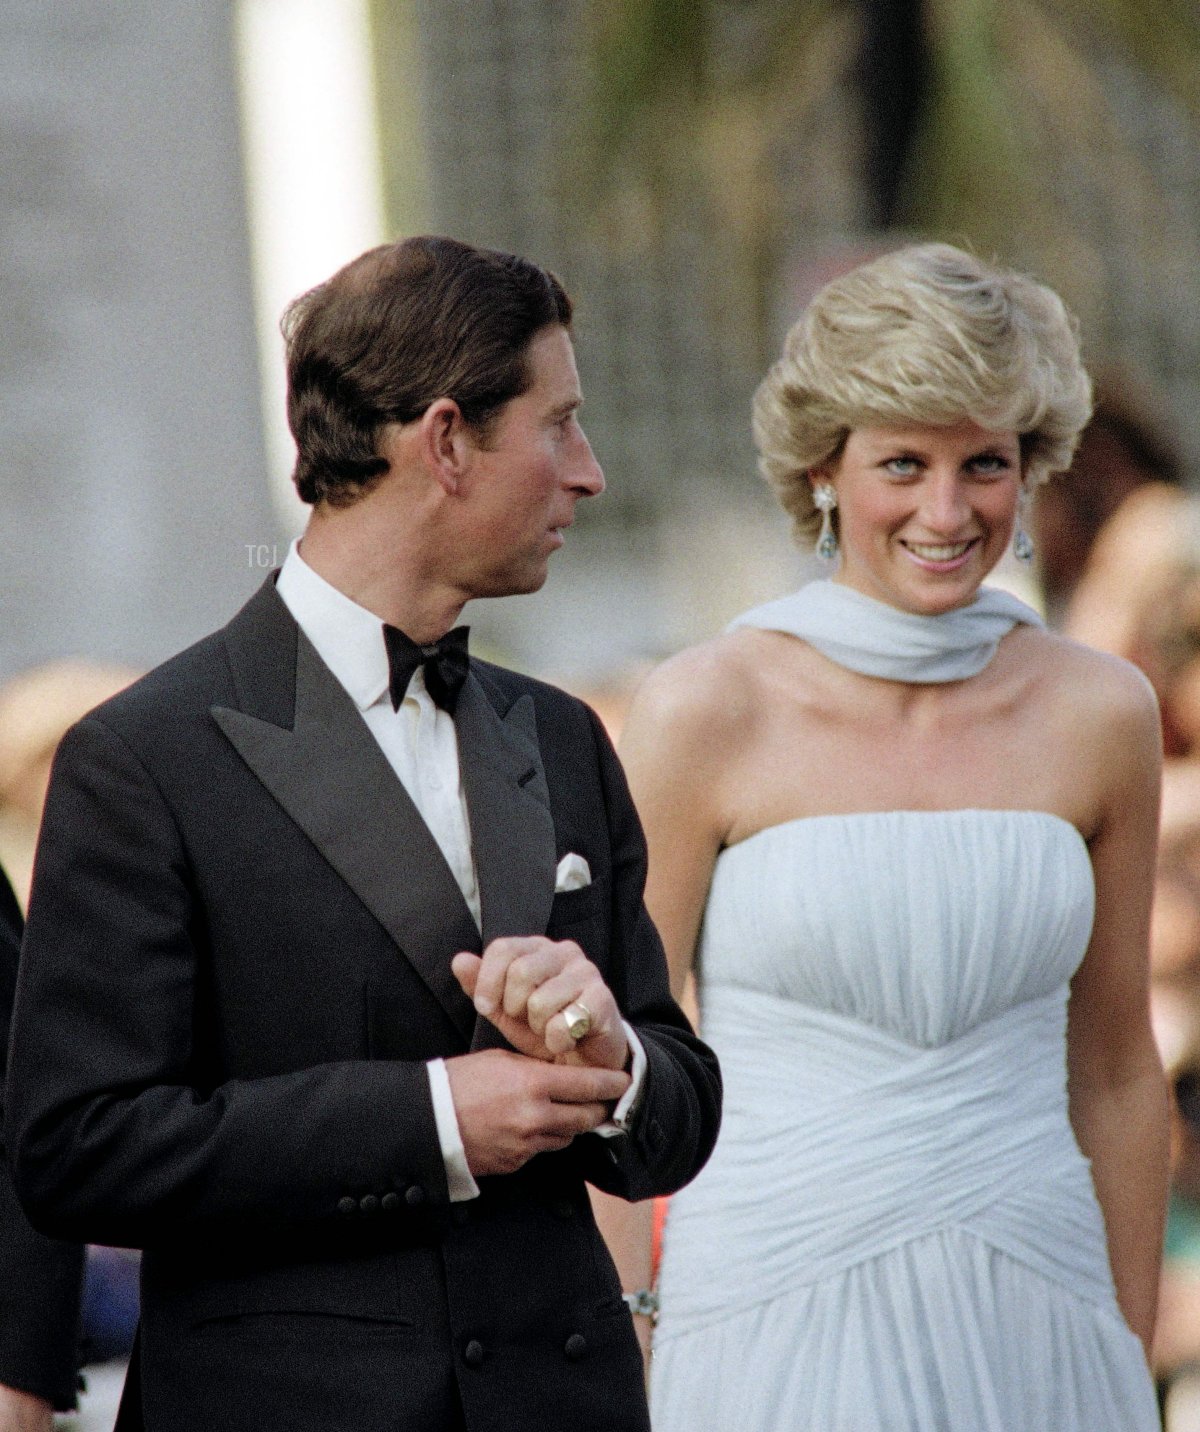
x,y
939,557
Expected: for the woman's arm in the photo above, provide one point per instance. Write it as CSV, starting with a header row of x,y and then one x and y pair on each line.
x,y
676,747
23,1412
1118,1097
673,750
628,1229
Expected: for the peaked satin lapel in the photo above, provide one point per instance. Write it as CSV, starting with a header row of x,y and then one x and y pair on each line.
x,y
328,773
512,833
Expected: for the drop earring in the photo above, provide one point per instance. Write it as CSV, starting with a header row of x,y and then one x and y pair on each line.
x,y
1022,543
825,500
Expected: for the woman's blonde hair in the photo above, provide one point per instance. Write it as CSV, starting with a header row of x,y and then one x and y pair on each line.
x,y
925,335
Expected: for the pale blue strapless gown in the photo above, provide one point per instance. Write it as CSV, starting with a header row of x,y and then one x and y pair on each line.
x,y
897,1231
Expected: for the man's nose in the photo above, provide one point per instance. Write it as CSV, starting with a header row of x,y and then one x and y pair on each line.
x,y
587,476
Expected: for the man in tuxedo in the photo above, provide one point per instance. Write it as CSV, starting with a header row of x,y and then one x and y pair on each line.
x,y
337,985
40,1278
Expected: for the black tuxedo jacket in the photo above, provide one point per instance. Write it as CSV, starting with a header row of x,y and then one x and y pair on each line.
x,y
39,1277
236,965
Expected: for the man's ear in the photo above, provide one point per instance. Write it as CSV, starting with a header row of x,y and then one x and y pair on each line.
x,y
444,442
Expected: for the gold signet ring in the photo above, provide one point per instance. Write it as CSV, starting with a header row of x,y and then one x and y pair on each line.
x,y
579,1019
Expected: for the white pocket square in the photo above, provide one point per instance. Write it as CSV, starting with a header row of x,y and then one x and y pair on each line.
x,y
572,873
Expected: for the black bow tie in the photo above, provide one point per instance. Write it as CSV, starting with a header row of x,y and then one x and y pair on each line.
x,y
445,663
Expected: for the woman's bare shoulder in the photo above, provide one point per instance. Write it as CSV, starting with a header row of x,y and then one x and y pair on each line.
x,y
702,695
1099,693
1111,681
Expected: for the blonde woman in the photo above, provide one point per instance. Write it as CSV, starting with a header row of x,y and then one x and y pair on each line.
x,y
905,838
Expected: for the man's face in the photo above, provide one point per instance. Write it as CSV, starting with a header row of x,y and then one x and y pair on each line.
x,y
523,486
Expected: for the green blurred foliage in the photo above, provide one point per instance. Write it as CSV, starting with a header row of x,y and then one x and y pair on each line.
x,y
673,118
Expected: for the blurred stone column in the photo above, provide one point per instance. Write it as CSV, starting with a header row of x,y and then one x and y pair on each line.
x,y
136,512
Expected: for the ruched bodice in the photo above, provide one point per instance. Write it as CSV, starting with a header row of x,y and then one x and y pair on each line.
x,y
897,1209
921,923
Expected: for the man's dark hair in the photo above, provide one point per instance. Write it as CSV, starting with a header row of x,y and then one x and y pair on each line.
x,y
399,327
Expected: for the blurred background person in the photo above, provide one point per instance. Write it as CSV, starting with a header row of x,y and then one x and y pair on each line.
x,y
1139,597
36,708
40,1278
42,1281
1127,444
1177,1336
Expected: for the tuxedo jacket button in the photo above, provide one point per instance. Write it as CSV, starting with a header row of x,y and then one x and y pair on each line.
x,y
369,1203
390,1202
414,1196
347,1204
473,1353
563,1207
459,1214
575,1347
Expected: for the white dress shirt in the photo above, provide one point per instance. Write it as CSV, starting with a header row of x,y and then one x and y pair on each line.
x,y
421,746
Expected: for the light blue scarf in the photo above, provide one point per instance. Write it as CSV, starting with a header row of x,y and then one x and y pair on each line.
x,y
875,639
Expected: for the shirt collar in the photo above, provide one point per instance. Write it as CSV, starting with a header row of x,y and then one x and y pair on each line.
x,y
348,638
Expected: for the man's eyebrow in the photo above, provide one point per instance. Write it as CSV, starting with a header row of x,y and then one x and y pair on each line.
x,y
569,406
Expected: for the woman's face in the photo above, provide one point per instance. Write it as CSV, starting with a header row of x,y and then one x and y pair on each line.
x,y
924,513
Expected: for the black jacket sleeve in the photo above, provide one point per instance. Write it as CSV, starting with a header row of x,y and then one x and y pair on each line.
x,y
40,1277
675,1124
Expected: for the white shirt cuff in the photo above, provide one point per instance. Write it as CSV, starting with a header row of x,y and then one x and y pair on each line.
x,y
627,1105
459,1181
